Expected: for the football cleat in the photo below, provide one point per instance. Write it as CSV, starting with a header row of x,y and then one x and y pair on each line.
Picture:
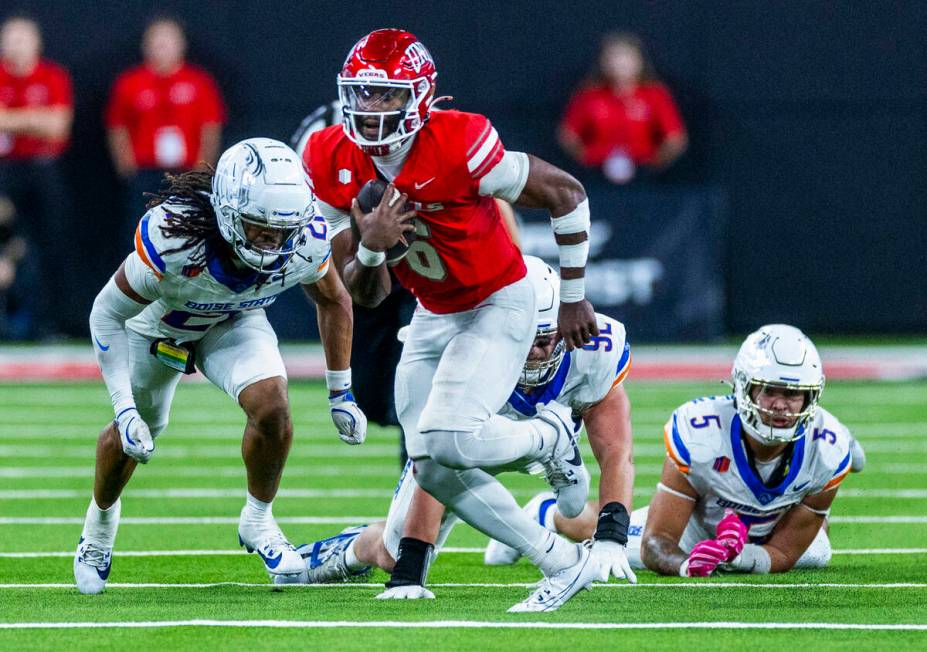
x,y
92,564
325,560
499,554
857,456
564,469
553,592
279,556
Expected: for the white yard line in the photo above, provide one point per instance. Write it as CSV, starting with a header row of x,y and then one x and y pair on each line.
x,y
331,520
444,551
483,585
457,624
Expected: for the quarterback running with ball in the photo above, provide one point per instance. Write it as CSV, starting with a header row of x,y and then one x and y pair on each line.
x,y
211,253
474,325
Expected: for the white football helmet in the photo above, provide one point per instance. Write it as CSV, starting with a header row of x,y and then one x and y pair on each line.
x,y
546,284
776,355
263,202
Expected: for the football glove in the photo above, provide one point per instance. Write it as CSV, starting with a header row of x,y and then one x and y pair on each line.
x,y
134,435
348,418
731,533
407,592
704,558
612,560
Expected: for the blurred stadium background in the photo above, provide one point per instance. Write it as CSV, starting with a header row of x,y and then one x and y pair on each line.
x,y
800,200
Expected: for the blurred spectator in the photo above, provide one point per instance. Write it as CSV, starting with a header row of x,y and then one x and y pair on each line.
x,y
15,306
164,115
625,120
36,110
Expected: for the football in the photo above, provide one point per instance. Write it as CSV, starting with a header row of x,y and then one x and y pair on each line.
x,y
368,198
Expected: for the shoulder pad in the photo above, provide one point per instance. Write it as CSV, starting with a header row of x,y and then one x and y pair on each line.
x,y
831,442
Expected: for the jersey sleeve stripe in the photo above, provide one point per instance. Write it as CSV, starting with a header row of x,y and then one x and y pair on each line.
x,y
149,247
623,372
483,152
835,481
843,464
491,161
140,250
680,447
675,448
683,467
479,140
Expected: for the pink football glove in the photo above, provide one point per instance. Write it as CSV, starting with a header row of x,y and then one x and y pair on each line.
x,y
705,557
731,533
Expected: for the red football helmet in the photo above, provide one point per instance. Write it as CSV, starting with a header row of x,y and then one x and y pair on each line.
x,y
386,86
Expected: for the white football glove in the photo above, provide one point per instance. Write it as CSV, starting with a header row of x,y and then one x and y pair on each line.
x,y
135,435
348,418
411,592
612,560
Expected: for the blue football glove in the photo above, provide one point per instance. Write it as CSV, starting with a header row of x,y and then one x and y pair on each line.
x,y
348,418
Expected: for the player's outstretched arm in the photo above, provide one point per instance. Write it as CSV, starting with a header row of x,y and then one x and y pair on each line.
x,y
117,302
549,187
336,327
666,520
790,538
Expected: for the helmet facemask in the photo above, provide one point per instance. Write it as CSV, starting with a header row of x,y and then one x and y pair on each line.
x,y
381,114
759,422
266,245
536,373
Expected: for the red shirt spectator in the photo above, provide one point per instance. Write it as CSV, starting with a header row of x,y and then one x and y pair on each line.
x,y
626,119
36,103
165,114
637,122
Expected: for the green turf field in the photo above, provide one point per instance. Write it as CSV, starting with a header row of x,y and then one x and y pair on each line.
x,y
189,569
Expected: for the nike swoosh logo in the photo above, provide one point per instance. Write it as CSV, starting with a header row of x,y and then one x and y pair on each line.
x,y
577,460
272,562
104,574
799,487
419,186
100,344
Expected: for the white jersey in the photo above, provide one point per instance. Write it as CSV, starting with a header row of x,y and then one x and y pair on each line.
x,y
584,377
703,438
191,297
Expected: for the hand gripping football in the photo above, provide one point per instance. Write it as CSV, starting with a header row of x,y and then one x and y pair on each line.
x,y
368,198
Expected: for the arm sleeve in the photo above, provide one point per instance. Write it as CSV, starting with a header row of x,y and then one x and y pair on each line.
x,y
337,220
507,178
108,318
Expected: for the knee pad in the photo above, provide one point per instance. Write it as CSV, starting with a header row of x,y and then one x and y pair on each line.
x,y
453,449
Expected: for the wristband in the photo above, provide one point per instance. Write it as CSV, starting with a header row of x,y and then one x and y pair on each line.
x,y
574,255
572,290
752,559
338,381
576,221
412,563
368,257
613,523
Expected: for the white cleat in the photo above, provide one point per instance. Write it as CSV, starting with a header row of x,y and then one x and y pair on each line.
x,y
564,469
857,456
325,561
279,556
499,554
411,592
553,592
92,564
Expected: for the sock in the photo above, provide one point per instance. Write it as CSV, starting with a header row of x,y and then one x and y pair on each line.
x,y
256,512
547,513
350,559
484,503
100,525
412,565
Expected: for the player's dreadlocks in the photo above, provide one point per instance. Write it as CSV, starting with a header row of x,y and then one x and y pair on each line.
x,y
196,222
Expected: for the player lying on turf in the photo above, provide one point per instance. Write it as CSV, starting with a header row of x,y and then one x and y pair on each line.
x,y
474,325
750,478
210,255
585,382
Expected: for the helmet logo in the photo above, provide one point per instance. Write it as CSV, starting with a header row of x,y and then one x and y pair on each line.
x,y
417,56
372,73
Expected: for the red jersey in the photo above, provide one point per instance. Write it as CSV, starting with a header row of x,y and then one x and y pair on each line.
x,y
637,123
164,115
463,252
48,85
